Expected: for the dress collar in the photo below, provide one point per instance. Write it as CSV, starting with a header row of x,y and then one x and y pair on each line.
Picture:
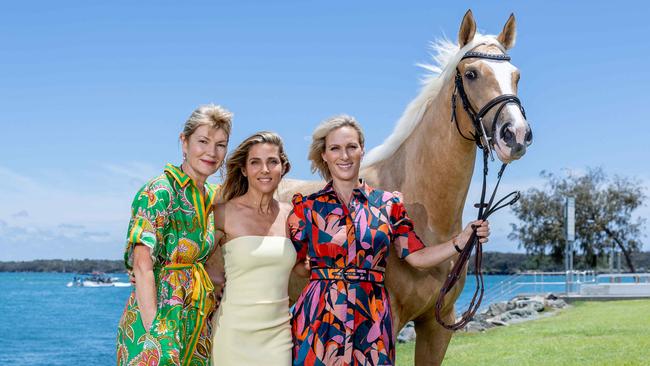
x,y
363,190
179,176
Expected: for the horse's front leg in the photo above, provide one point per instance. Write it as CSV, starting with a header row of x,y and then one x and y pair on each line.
x,y
432,340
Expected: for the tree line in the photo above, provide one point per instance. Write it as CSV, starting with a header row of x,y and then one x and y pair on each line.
x,y
606,219
498,263
65,266
493,263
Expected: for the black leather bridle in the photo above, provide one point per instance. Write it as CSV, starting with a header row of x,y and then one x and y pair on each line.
x,y
483,141
480,136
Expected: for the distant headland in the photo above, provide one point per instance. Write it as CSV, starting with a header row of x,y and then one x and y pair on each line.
x,y
495,263
64,266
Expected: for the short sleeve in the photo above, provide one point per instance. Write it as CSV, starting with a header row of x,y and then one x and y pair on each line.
x,y
297,224
404,237
148,218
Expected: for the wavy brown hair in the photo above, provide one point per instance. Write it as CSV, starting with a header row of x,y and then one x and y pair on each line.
x,y
236,184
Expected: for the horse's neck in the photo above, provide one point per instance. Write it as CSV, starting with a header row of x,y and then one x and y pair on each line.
x,y
433,169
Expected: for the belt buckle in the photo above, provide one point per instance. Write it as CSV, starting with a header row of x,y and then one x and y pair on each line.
x,y
351,274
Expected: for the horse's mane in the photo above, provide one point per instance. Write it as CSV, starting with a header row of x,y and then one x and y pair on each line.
x,y
446,55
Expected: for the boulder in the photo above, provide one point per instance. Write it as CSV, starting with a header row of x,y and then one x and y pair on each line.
x,y
519,309
477,326
505,317
498,323
556,304
481,316
497,308
522,313
407,334
533,304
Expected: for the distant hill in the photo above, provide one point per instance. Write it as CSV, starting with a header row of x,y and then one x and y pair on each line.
x,y
509,263
65,266
493,263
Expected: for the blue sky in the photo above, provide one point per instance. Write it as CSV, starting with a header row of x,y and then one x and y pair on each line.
x,y
93,94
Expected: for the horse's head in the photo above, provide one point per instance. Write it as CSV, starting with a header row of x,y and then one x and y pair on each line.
x,y
490,83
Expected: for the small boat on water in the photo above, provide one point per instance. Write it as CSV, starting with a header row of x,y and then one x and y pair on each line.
x,y
96,279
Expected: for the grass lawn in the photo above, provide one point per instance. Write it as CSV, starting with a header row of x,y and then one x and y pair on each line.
x,y
588,333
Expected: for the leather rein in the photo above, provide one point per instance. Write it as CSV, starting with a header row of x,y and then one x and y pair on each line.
x,y
484,142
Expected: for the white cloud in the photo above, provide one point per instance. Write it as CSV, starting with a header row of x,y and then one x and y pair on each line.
x,y
71,226
82,214
136,171
11,181
19,214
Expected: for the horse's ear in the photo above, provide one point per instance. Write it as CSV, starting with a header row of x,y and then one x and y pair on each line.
x,y
467,29
509,33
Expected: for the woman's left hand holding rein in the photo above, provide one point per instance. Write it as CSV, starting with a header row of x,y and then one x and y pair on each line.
x,y
436,254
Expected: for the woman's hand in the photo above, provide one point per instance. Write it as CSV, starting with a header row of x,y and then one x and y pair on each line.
x,y
145,287
216,270
302,269
219,282
482,231
435,254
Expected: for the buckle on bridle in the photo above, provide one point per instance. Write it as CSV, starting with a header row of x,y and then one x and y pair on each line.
x,y
485,140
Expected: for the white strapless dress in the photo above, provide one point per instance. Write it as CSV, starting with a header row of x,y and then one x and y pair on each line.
x,y
252,323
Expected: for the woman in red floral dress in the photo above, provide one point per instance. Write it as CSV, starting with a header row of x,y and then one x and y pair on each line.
x,y
343,315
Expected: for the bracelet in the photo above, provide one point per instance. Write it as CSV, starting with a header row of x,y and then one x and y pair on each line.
x,y
453,241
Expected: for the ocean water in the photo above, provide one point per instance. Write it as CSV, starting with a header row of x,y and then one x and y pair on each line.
x,y
46,323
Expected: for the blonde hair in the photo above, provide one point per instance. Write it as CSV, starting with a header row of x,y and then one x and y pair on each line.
x,y
212,115
317,147
236,184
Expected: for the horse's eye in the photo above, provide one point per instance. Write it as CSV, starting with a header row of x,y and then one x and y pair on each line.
x,y
471,74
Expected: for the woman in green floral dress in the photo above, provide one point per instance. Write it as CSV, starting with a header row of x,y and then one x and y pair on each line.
x,y
169,238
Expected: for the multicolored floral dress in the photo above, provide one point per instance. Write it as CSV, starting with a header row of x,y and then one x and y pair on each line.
x,y
173,219
343,316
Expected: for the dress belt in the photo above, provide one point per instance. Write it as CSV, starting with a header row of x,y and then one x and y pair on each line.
x,y
349,274
201,287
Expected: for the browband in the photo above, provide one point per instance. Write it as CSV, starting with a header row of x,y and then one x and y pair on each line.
x,y
490,56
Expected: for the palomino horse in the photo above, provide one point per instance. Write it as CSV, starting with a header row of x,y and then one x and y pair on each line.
x,y
429,161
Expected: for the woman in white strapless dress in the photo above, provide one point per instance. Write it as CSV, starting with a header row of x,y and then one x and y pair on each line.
x,y
252,322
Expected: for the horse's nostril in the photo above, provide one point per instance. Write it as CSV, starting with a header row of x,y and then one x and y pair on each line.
x,y
506,133
529,136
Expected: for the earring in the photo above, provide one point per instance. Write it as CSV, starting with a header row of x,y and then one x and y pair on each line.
x,y
184,157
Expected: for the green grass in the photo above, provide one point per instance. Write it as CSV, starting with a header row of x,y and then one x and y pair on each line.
x,y
588,333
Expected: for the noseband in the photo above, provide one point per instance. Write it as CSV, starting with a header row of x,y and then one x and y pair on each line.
x,y
482,140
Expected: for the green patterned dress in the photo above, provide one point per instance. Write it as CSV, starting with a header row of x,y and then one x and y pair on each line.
x,y
173,219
